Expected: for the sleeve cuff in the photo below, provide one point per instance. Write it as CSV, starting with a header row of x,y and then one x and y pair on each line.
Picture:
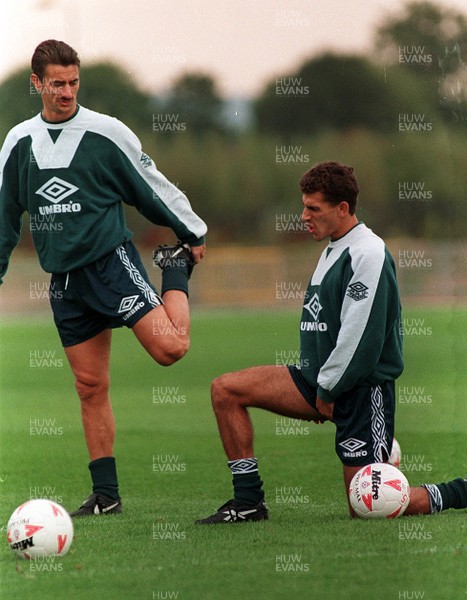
x,y
325,395
198,242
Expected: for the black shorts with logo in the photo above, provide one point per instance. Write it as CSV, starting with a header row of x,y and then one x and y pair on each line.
x,y
364,420
113,291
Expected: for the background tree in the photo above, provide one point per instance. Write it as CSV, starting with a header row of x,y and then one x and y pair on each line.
x,y
18,100
341,107
195,100
429,41
107,88
423,26
340,93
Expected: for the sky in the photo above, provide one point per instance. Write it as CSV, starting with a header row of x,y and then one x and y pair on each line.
x,y
242,43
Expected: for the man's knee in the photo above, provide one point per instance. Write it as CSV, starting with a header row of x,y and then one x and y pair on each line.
x,y
161,339
224,391
91,387
168,353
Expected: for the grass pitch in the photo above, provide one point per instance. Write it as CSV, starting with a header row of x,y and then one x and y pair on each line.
x,y
172,470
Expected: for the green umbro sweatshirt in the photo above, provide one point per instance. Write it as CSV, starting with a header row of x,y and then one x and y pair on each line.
x,y
72,177
350,330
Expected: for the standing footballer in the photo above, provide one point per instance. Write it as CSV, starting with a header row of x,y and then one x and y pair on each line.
x,y
350,356
76,168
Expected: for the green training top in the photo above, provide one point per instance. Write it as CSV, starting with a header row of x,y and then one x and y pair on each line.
x,y
72,178
350,331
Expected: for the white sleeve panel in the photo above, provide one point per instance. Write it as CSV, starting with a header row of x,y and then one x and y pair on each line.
x,y
12,138
162,189
367,260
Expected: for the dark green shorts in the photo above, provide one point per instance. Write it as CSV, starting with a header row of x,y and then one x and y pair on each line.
x,y
364,420
113,291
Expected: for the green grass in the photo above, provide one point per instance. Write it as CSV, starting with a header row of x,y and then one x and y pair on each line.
x,y
125,555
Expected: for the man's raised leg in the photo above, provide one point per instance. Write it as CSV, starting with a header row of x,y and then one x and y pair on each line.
x,y
165,331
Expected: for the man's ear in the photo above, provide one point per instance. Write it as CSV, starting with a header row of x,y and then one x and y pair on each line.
x,y
344,208
36,82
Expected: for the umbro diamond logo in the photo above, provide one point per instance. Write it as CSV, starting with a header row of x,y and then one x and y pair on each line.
x,y
313,306
352,444
129,306
357,291
127,303
145,160
55,190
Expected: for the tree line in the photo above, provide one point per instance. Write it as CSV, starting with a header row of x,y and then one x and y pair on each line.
x,y
398,116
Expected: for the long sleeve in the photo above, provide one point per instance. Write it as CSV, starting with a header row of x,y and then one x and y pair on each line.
x,y
74,178
350,327
150,191
370,319
10,207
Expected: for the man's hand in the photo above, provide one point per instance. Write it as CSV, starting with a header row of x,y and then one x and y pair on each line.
x,y
198,253
325,408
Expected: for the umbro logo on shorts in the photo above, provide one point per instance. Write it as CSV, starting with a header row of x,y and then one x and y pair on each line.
x,y
127,303
129,306
352,444
353,448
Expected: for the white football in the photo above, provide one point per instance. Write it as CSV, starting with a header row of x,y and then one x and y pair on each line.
x,y
379,491
40,528
395,458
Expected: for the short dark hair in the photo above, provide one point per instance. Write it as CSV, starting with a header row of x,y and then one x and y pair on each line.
x,y
53,52
336,181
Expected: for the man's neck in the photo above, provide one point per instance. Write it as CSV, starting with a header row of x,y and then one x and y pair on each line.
x,y
55,119
349,225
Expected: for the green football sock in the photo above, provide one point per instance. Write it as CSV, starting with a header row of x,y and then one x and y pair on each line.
x,y
454,493
447,495
246,481
175,279
104,477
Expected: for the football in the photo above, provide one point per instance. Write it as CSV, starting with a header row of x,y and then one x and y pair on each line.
x,y
395,458
379,491
40,528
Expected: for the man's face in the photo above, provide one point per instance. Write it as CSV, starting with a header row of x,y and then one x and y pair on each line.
x,y
321,218
59,90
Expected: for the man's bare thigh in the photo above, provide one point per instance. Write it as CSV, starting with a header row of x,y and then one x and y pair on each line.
x,y
267,387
